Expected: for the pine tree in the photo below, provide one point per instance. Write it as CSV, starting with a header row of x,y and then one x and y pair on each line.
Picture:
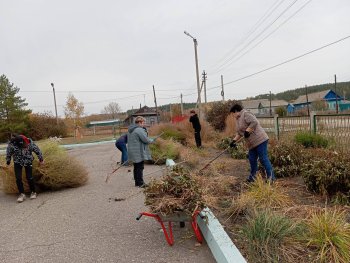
x,y
14,118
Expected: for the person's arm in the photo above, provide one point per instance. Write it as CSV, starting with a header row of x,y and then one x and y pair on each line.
x,y
9,153
143,136
37,152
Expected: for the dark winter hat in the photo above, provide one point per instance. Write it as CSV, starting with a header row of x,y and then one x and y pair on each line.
x,y
18,140
236,108
193,111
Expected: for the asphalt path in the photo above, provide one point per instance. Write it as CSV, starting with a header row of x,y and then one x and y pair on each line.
x,y
86,224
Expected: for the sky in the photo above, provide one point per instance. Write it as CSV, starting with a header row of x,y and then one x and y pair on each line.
x,y
115,51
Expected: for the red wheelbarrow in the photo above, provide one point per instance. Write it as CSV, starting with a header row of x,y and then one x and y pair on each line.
x,y
177,217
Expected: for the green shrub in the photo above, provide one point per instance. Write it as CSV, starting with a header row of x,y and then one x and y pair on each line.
x,y
173,134
164,149
287,158
328,173
239,153
309,140
271,237
328,234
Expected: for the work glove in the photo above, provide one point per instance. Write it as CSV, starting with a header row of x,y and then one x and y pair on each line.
x,y
8,162
246,134
233,144
151,140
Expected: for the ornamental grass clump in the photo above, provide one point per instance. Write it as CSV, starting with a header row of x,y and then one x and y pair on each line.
x,y
271,237
177,191
164,149
328,236
260,195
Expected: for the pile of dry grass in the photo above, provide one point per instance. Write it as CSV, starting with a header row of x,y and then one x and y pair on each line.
x,y
217,189
59,171
177,191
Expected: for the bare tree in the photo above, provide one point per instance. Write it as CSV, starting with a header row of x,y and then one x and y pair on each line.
x,y
112,110
73,109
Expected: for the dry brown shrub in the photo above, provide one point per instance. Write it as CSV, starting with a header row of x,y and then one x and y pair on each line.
x,y
230,126
60,169
189,156
177,191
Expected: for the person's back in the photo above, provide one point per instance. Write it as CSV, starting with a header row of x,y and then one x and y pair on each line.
x,y
197,128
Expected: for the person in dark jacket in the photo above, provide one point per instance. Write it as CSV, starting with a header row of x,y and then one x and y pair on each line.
x,y
121,145
20,148
197,128
138,150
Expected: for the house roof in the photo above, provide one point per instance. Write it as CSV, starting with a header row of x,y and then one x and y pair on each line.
x,y
265,103
312,97
250,104
274,103
145,111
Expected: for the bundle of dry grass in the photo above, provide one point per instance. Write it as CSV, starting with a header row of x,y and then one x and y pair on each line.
x,y
177,191
59,171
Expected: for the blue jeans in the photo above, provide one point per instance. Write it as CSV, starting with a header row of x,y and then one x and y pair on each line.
x,y
122,147
260,152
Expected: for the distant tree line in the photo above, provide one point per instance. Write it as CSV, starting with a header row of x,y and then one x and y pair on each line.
x,y
289,95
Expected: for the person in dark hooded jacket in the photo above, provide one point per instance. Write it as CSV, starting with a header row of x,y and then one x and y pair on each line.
x,y
197,128
138,150
20,148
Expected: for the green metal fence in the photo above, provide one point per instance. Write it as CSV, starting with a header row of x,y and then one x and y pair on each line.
x,y
335,127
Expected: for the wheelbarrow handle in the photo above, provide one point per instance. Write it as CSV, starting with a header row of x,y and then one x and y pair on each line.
x,y
139,217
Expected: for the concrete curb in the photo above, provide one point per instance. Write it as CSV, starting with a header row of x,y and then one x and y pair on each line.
x,y
220,244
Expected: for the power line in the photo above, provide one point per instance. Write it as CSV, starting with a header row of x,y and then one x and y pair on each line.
x,y
253,29
251,41
285,62
285,21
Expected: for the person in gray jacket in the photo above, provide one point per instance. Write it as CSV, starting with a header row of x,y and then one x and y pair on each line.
x,y
256,138
138,150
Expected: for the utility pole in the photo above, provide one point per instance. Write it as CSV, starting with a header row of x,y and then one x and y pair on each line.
x,y
155,102
54,98
182,106
197,73
222,88
307,101
270,104
336,96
